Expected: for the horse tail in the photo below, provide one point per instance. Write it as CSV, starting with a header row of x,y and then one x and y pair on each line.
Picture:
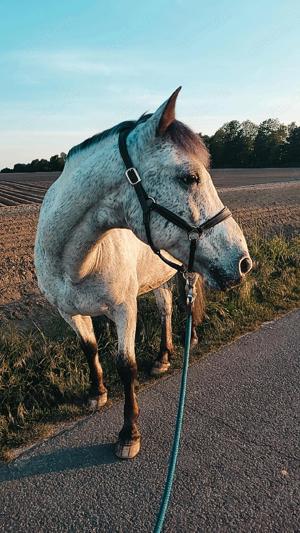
x,y
199,302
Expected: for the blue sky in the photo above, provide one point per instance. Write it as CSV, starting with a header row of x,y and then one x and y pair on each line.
x,y
72,68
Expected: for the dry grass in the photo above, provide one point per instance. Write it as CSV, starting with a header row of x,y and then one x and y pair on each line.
x,y
44,379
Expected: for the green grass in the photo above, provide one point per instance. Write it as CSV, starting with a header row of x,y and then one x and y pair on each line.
x,y
44,379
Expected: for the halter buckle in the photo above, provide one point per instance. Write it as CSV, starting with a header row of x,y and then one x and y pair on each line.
x,y
133,176
194,234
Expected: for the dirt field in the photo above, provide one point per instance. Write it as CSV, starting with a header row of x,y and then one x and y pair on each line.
x,y
236,177
29,188
24,188
272,206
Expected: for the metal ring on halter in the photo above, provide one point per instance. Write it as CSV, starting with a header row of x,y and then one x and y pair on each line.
x,y
189,276
152,200
194,234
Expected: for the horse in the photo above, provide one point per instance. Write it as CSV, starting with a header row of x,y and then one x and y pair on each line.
x,y
102,188
145,273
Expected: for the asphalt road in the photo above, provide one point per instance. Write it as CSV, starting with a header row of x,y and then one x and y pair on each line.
x,y
238,467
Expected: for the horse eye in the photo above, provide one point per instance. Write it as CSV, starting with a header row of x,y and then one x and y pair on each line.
x,y
189,179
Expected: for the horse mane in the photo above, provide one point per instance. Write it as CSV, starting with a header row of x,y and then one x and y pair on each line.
x,y
177,133
100,136
188,141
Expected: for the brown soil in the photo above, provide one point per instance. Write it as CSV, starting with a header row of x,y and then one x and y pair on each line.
x,y
38,178
271,208
20,299
30,187
232,177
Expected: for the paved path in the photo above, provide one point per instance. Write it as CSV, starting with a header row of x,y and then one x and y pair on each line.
x,y
238,463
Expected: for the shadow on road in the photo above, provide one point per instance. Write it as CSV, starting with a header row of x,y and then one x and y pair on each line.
x,y
59,461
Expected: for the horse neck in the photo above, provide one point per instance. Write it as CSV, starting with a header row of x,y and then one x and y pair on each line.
x,y
87,195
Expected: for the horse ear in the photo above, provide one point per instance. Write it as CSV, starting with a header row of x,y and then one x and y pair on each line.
x,y
158,123
167,113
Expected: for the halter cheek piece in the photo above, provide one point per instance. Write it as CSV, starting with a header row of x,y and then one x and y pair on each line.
x,y
148,204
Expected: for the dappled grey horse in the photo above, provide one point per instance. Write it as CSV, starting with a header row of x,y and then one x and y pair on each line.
x,y
85,272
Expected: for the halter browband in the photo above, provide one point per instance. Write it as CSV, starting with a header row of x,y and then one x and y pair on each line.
x,y
148,204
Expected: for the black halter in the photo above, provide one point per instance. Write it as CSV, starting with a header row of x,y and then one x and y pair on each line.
x,y
148,204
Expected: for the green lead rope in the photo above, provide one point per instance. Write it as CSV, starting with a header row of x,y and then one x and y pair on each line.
x,y
175,447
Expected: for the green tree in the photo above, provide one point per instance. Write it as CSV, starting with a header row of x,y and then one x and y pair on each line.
x,y
249,133
269,145
57,162
232,144
216,146
292,149
20,167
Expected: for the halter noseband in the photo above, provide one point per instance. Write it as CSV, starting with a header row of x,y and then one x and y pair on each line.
x,y
148,204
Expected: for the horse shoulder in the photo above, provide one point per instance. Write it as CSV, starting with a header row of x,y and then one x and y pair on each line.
x,y
152,272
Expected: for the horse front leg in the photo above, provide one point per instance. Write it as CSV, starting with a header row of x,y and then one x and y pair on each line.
x,y
163,296
83,327
128,444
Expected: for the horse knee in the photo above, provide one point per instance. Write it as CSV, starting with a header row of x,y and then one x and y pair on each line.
x,y
97,392
127,370
89,348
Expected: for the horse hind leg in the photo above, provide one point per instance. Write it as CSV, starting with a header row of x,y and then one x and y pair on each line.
x,y
125,315
163,296
83,327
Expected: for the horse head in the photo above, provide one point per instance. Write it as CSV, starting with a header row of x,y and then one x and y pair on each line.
x,y
173,164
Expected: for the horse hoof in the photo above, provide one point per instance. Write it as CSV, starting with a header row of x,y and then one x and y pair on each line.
x,y
127,450
98,402
159,368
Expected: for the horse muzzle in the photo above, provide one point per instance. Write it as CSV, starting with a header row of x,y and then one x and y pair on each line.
x,y
220,278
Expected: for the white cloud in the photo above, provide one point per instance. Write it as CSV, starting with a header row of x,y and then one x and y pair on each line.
x,y
92,62
66,61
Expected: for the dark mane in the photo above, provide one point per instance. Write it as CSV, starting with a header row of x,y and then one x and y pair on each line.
x,y
177,133
188,141
106,133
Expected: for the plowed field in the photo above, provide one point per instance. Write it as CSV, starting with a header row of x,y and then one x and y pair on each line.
x,y
272,206
24,188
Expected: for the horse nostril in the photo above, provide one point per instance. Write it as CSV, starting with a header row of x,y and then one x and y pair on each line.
x,y
245,265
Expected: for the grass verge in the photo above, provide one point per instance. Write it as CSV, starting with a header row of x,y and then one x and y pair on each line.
x,y
44,379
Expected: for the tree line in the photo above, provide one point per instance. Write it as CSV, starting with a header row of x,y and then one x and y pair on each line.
x,y
55,163
245,144
235,144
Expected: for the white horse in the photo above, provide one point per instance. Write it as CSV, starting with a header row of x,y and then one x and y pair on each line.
x,y
85,271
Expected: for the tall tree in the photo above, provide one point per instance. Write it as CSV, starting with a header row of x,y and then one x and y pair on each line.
x,y
292,149
216,146
249,133
232,144
270,143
